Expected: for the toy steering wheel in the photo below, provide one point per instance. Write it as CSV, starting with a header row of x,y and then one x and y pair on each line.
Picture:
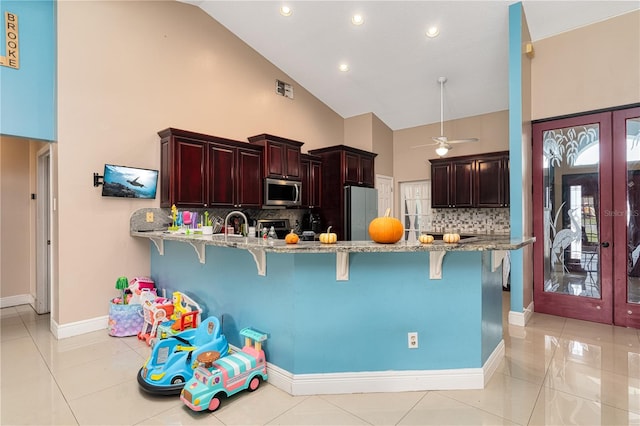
x,y
207,358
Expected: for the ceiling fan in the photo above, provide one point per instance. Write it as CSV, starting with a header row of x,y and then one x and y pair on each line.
x,y
442,141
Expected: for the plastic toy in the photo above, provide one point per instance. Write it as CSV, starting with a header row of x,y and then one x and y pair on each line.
x,y
155,312
186,315
214,379
163,318
173,359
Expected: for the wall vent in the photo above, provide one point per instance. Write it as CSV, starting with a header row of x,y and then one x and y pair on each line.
x,y
284,89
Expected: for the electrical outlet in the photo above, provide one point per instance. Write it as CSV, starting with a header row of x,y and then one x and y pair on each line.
x,y
149,216
412,340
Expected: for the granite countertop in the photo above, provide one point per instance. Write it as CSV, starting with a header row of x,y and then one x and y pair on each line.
x,y
476,243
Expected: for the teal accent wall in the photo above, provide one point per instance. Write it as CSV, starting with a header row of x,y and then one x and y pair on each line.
x,y
515,151
28,101
320,325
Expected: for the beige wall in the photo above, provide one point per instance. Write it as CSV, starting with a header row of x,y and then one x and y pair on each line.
x,y
358,131
383,146
593,67
368,132
125,71
18,165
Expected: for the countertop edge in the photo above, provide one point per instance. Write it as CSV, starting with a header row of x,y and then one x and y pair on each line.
x,y
279,246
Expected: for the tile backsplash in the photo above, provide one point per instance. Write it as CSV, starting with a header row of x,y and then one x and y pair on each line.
x,y
471,220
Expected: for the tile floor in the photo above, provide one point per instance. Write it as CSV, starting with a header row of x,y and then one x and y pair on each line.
x,y
556,371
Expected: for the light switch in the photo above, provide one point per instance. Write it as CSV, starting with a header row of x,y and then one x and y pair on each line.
x,y
149,216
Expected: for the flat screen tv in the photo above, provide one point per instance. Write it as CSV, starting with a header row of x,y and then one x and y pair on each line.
x,y
129,182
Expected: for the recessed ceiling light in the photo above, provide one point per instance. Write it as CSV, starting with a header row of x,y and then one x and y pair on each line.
x,y
344,67
357,19
432,32
285,11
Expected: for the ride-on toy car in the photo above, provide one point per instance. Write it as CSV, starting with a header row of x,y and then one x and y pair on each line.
x,y
215,378
173,359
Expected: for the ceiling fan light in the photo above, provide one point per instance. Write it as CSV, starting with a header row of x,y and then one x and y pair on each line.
x,y
442,150
432,32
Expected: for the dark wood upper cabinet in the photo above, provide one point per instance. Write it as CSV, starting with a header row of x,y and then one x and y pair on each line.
x,y
200,170
281,156
311,174
358,168
342,166
470,181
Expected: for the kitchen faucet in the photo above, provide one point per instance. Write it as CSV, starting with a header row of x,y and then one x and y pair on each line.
x,y
233,213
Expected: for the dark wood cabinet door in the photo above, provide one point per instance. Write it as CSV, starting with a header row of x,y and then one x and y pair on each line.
x,y
305,177
249,183
367,177
492,181
462,185
222,180
315,187
440,185
292,162
190,175
165,174
351,169
274,160
505,181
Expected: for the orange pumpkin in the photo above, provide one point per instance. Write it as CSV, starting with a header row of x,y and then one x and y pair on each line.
x,y
386,229
291,238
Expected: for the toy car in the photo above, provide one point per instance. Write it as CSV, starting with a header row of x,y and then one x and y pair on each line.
x,y
214,380
173,359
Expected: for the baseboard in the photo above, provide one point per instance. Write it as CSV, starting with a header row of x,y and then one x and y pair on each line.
x,y
386,381
493,362
20,299
79,327
521,318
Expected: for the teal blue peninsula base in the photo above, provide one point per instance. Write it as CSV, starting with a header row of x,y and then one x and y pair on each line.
x,y
330,336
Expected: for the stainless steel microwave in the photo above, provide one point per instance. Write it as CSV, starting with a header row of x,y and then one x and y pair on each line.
x,y
282,192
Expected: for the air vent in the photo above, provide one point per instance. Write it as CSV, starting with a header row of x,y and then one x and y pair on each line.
x,y
284,89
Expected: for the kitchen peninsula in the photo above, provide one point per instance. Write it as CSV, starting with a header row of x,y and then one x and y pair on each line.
x,y
338,316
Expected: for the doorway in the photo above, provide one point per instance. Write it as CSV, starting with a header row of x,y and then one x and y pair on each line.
x,y
587,217
43,233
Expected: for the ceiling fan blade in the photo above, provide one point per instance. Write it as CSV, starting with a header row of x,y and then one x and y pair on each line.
x,y
464,140
425,145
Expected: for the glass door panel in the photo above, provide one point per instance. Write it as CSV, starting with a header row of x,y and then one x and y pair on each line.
x,y
626,216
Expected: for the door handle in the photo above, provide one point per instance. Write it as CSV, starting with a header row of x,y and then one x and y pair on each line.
x,y
605,244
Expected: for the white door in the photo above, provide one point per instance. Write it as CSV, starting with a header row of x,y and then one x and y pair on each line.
x,y
384,185
43,234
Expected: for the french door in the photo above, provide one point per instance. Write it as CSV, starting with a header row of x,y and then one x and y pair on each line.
x,y
587,217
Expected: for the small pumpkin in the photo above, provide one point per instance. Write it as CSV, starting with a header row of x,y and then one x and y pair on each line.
x,y
328,237
451,238
291,238
386,229
425,239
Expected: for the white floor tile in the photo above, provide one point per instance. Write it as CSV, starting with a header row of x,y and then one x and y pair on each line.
x,y
556,371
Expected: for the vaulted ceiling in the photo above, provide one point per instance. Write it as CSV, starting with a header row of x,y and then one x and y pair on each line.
x,y
393,66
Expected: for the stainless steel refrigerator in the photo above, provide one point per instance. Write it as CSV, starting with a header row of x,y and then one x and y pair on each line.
x,y
360,208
